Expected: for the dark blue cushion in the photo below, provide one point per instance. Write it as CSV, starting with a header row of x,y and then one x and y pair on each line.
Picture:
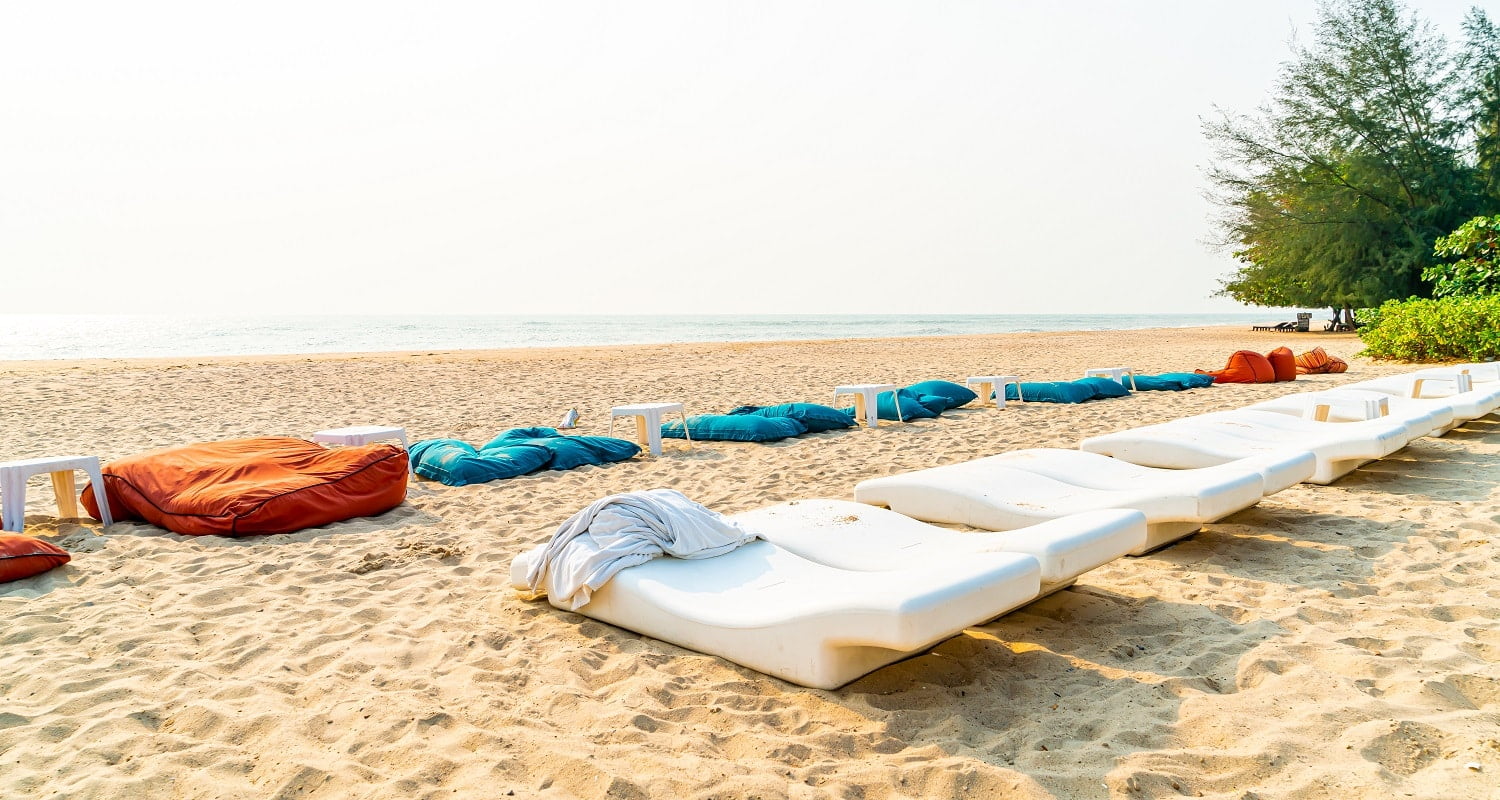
x,y
735,428
456,463
1056,392
567,451
1105,387
814,417
911,407
954,394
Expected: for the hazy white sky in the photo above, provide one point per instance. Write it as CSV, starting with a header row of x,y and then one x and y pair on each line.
x,y
738,157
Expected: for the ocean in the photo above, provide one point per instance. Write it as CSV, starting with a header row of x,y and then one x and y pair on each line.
x,y
66,336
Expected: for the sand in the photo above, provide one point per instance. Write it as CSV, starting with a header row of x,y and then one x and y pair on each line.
x,y
1337,641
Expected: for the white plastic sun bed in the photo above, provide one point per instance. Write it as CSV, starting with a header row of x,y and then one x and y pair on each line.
x,y
814,625
864,538
1336,448
841,588
1449,389
998,494
1359,405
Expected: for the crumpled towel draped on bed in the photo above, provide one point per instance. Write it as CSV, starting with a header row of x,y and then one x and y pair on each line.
x,y
621,531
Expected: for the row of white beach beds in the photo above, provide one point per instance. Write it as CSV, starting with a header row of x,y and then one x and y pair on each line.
x,y
835,589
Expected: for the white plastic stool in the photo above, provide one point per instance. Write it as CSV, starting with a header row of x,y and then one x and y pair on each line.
x,y
13,475
866,396
996,384
361,434
1116,374
648,422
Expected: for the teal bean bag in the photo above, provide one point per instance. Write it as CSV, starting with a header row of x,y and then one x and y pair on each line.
x,y
1054,392
1105,387
912,406
456,463
814,417
1192,380
567,451
735,428
954,394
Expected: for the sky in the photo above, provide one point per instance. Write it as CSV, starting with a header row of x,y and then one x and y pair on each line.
x,y
999,157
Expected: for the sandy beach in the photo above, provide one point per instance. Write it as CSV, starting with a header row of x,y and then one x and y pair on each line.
x,y
1336,641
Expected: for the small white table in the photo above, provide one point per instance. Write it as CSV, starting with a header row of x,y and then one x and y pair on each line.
x,y
866,396
13,475
1116,374
996,384
648,422
361,434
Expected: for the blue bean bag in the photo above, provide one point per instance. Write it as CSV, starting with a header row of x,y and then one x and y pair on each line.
x,y
1193,380
456,463
814,417
1105,387
1055,392
954,394
567,451
735,428
913,406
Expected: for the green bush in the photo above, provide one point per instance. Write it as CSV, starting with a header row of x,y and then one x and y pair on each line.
x,y
1444,329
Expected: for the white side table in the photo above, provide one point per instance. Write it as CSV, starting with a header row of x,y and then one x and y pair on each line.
x,y
1116,374
13,475
648,422
361,434
866,396
996,384
364,434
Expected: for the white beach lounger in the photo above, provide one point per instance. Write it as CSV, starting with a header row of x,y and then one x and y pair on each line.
x,y
814,625
1278,469
1223,437
994,494
1481,371
1357,405
1449,389
856,536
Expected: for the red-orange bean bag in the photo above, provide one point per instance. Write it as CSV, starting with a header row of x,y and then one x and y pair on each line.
x,y
1317,362
253,486
23,556
1283,363
1245,366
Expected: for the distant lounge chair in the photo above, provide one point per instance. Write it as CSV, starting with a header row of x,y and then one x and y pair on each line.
x,y
1025,487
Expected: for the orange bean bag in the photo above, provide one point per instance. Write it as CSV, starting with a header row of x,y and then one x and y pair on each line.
x,y
1245,366
1283,363
253,486
23,556
1317,362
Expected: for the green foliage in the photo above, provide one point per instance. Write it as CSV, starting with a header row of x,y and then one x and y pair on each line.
x,y
1476,245
1444,329
1334,192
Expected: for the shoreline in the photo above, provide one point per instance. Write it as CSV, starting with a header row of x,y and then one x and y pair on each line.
x,y
1332,640
519,353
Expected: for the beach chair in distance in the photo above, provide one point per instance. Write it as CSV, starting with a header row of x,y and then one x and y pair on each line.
x,y
1015,490
1227,437
1356,405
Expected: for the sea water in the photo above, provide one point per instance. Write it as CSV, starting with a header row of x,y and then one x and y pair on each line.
x,y
60,336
